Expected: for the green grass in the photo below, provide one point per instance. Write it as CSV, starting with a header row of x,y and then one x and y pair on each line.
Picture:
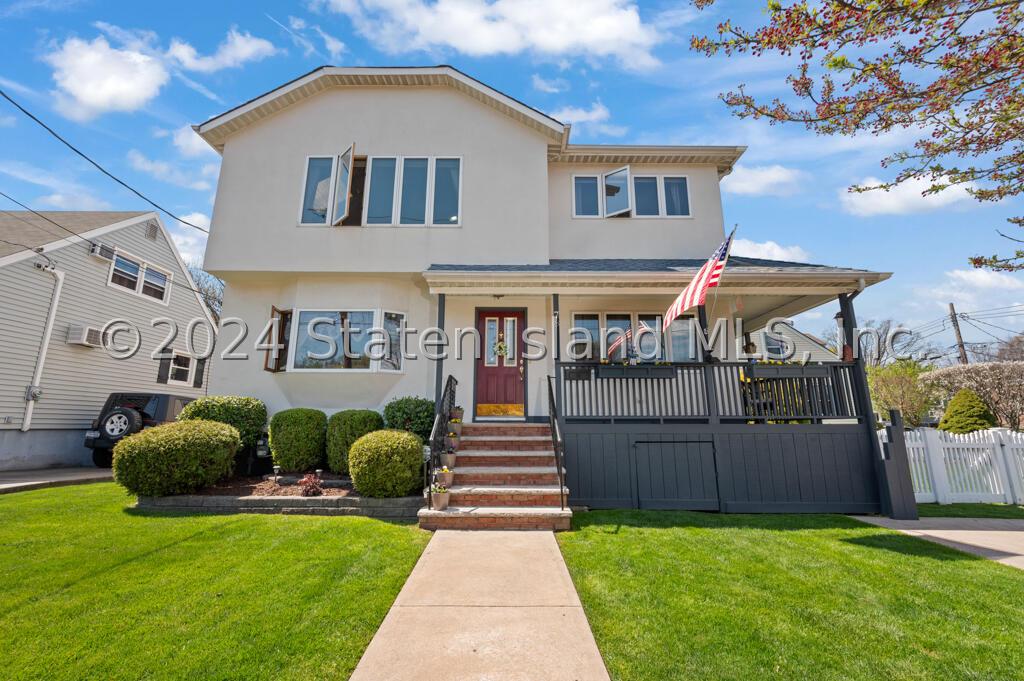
x,y
1005,511
675,596
90,588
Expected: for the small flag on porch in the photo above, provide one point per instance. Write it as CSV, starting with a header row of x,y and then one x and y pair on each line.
x,y
707,277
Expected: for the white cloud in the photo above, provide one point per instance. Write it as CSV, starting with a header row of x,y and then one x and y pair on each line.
x,y
7,121
236,49
592,120
986,279
901,200
191,242
594,29
65,192
189,144
72,201
94,78
773,180
769,250
15,86
165,172
549,86
334,47
971,289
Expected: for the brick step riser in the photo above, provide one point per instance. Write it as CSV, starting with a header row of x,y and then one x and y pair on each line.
x,y
470,523
470,460
493,479
484,500
508,445
508,431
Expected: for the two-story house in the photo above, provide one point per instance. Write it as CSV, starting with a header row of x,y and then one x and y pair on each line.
x,y
409,198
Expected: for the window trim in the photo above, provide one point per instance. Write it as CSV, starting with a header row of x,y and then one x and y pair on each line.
x,y
294,335
144,265
191,369
600,194
401,340
662,196
629,193
396,196
634,322
281,361
335,169
497,330
330,194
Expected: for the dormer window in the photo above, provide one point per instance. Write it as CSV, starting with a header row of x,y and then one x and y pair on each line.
x,y
619,193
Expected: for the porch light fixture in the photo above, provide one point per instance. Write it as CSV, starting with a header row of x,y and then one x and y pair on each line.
x,y
277,473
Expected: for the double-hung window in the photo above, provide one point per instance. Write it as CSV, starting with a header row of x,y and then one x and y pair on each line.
x,y
622,194
140,277
181,369
414,191
327,190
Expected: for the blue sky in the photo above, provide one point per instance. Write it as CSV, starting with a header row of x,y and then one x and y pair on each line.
x,y
124,80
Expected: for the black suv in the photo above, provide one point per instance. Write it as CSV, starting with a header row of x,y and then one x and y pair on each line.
x,y
127,413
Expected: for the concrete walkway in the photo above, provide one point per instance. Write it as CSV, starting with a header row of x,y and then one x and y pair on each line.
x,y
998,540
494,605
20,481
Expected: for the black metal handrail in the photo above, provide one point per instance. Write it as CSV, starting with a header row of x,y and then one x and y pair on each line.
x,y
442,413
557,443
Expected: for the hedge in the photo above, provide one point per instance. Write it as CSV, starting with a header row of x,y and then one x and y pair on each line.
x,y
247,414
298,439
966,413
344,428
175,458
415,414
386,463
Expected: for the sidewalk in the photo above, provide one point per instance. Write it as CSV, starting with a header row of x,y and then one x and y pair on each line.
x,y
20,481
495,605
996,539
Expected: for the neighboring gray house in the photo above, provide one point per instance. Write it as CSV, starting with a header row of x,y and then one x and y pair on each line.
x,y
61,283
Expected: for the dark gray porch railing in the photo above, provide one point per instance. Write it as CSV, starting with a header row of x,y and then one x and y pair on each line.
x,y
442,412
742,392
557,442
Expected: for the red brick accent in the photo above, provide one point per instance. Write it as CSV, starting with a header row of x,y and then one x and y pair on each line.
x,y
468,459
491,444
504,499
489,430
505,523
506,478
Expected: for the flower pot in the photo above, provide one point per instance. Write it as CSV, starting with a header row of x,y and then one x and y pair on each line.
x,y
445,479
451,442
439,500
456,413
448,460
455,428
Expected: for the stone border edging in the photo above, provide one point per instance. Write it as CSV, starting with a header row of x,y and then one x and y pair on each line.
x,y
401,508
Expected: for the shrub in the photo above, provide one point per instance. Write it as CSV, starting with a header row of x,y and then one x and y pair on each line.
x,y
343,429
415,414
247,414
175,458
966,413
297,439
386,463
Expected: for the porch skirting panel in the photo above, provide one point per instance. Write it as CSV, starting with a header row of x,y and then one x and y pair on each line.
x,y
742,468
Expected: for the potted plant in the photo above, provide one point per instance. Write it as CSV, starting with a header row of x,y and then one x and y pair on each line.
x,y
444,476
439,496
455,426
448,459
452,441
457,413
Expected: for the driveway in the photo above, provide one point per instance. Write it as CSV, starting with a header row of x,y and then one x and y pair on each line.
x,y
20,481
995,539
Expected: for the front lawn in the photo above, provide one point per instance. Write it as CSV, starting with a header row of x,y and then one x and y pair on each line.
x,y
1003,511
92,589
675,595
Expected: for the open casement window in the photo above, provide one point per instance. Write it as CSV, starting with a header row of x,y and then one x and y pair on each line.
x,y
617,199
276,359
343,185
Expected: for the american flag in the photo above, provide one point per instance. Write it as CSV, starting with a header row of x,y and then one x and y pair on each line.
x,y
625,338
707,277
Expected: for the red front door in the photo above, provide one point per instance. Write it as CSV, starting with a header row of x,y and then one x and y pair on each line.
x,y
500,370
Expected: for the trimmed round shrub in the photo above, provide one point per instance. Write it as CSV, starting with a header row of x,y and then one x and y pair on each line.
x,y
298,438
247,414
386,463
343,429
415,414
175,458
966,413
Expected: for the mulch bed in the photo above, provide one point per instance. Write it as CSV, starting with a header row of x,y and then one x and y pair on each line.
x,y
256,486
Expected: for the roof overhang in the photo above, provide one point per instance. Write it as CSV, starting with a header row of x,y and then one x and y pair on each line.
x,y
216,130
722,157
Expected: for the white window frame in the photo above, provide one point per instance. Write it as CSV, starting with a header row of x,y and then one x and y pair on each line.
x,y
335,171
191,369
634,322
600,325
375,364
396,195
629,193
143,266
662,196
330,191
401,340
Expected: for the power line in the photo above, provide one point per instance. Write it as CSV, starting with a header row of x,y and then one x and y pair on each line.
x,y
1001,328
989,333
38,214
97,165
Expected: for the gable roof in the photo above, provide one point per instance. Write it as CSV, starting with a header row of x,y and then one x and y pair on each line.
x,y
21,228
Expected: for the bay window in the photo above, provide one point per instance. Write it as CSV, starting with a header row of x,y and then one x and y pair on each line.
x,y
340,340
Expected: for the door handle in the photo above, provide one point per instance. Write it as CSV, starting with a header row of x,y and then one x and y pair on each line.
x,y
522,370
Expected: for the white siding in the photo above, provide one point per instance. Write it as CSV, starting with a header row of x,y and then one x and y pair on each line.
x,y
76,380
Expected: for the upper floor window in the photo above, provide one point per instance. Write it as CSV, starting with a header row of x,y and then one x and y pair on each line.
x,y
139,277
327,189
620,194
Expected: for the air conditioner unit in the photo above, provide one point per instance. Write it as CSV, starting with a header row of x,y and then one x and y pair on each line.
x,y
89,336
102,251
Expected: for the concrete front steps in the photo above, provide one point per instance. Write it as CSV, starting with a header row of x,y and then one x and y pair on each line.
x,y
505,479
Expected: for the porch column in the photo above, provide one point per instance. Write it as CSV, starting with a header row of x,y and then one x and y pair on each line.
x,y
557,350
439,364
890,479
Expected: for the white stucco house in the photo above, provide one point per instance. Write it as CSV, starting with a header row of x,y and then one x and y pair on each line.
x,y
64,276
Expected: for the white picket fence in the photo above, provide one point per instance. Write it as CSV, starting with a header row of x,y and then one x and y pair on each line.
x,y
984,466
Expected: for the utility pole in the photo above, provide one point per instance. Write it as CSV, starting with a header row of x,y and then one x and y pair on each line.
x,y
956,330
